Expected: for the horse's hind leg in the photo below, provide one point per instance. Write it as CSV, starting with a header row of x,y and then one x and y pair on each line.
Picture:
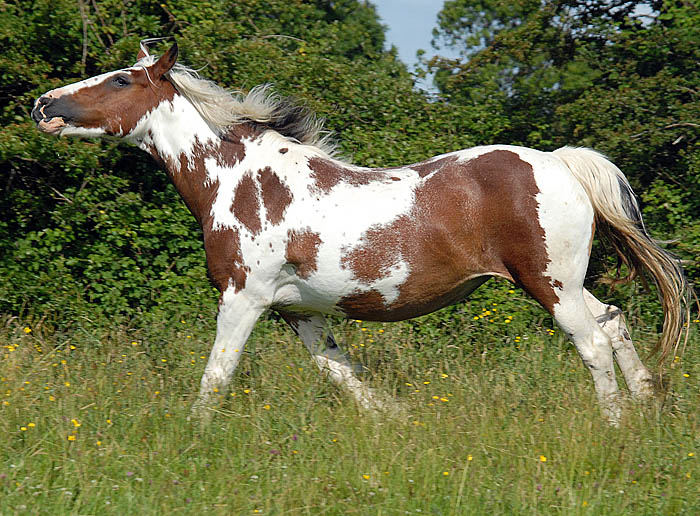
x,y
566,303
593,345
562,295
331,360
612,321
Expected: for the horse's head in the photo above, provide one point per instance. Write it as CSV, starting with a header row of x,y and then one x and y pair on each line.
x,y
108,104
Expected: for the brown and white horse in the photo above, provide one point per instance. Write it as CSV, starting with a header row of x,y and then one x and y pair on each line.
x,y
290,228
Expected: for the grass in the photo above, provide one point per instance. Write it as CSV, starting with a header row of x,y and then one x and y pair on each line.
x,y
96,422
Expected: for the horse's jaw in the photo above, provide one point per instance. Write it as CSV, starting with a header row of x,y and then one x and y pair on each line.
x,y
59,127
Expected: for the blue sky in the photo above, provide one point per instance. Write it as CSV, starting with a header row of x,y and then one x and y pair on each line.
x,y
410,24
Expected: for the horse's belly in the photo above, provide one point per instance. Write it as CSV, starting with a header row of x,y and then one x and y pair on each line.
x,y
300,296
371,304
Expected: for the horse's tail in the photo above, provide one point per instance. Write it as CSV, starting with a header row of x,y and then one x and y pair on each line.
x,y
619,219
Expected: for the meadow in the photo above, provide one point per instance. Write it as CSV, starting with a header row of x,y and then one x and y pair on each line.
x,y
496,415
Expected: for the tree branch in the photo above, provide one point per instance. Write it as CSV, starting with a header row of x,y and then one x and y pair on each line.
x,y
83,16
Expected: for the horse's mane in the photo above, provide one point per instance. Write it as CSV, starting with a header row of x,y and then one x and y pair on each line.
x,y
261,105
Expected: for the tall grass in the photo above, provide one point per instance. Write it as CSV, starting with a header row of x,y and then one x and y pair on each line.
x,y
97,422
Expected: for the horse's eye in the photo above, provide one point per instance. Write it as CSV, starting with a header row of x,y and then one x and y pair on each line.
x,y
121,81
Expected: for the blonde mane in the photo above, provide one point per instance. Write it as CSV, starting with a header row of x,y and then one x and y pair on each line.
x,y
261,105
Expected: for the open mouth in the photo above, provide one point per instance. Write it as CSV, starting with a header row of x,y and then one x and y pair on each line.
x,y
52,125
47,122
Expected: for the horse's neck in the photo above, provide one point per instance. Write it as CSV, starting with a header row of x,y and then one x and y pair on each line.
x,y
172,131
186,146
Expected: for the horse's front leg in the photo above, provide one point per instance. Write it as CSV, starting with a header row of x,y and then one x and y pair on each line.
x,y
238,313
331,360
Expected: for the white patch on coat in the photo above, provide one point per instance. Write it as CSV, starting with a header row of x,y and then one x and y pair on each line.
x,y
341,218
157,128
324,214
566,215
77,86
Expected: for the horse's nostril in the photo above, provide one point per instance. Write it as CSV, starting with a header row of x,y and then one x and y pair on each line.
x,y
38,111
46,101
36,116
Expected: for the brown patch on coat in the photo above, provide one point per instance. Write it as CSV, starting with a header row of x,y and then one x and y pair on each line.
x,y
246,204
363,305
370,305
225,264
232,147
427,168
284,150
191,181
275,194
469,219
378,253
327,174
302,251
224,259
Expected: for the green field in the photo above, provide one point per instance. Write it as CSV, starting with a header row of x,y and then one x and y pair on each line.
x,y
491,420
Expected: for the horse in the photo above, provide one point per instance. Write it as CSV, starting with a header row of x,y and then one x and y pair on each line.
x,y
290,227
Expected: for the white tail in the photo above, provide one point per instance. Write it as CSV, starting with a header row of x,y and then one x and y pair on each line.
x,y
620,220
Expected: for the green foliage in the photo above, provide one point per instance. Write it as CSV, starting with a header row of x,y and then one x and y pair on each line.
x,y
91,230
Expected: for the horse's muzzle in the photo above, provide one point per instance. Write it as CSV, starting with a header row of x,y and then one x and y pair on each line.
x,y
50,114
39,106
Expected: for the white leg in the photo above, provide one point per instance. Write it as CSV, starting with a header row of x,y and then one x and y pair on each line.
x,y
612,321
236,318
594,347
331,360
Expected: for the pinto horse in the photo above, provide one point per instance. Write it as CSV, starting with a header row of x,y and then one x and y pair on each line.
x,y
288,227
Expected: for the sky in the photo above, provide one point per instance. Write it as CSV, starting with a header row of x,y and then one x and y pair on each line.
x,y
410,26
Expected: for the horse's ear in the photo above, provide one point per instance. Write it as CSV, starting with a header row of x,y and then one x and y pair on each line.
x,y
165,63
